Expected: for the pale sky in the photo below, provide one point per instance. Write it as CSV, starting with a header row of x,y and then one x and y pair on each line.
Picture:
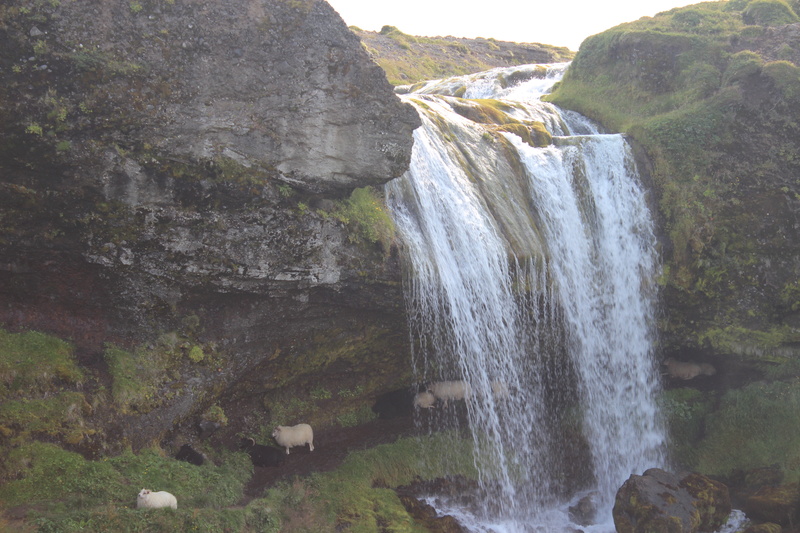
x,y
557,22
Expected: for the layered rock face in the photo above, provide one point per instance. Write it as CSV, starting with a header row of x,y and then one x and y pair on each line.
x,y
170,168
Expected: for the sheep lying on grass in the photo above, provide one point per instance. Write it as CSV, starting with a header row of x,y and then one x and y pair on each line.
x,y
450,390
262,455
148,499
688,370
290,436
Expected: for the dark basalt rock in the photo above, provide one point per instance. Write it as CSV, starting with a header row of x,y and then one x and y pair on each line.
x,y
158,176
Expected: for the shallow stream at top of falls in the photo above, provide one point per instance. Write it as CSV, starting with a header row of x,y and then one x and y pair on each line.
x,y
532,269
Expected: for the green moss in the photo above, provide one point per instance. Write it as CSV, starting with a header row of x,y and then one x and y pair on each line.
x,y
216,414
320,393
366,216
534,134
137,375
196,354
754,426
742,65
61,416
286,409
33,362
743,341
790,296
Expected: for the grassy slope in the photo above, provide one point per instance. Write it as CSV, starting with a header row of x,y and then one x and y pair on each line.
x,y
408,59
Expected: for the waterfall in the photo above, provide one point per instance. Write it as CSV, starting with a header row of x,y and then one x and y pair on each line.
x,y
530,275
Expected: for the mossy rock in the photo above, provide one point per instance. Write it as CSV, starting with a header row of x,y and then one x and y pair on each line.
x,y
484,111
662,502
780,505
534,134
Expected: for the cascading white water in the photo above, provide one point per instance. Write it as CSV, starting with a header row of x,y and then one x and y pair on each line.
x,y
533,270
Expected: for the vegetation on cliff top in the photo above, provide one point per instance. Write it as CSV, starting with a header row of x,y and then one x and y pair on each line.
x,y
409,59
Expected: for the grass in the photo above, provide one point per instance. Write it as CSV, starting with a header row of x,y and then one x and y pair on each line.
x,y
33,362
357,496
70,493
755,426
366,216
136,376
36,373
67,493
409,59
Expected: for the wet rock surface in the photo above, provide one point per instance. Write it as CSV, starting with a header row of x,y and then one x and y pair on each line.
x,y
775,504
659,501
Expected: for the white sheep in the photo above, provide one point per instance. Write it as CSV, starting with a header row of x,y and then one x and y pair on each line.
x,y
687,370
500,390
450,390
424,400
148,499
290,436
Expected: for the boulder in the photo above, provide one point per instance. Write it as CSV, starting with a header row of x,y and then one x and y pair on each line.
x,y
584,511
780,505
662,502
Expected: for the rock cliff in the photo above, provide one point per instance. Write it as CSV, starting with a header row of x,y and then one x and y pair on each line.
x,y
175,201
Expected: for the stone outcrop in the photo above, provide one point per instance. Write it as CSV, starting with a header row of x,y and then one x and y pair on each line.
x,y
779,504
659,501
171,173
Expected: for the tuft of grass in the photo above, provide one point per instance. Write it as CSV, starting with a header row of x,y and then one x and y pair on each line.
x,y
366,216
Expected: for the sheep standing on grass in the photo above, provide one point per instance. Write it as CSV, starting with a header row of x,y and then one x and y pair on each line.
x,y
450,390
148,499
290,436
688,370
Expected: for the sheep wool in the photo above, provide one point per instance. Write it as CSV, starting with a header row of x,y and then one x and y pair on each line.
x,y
148,499
424,400
290,436
450,390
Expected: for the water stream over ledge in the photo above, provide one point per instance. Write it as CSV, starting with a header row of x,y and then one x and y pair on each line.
x,y
530,276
